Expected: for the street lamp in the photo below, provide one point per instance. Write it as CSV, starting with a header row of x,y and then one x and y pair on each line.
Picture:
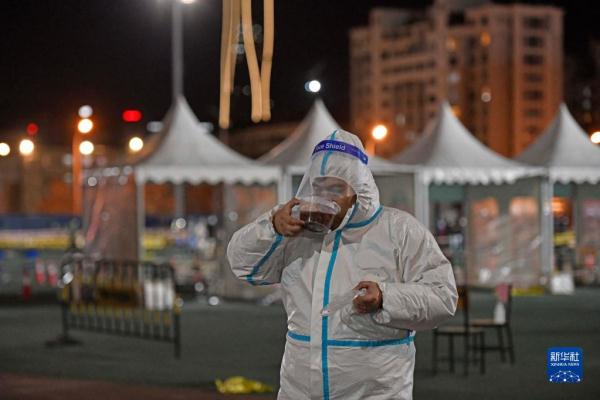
x,y
595,138
79,147
313,86
26,147
379,132
86,147
4,149
85,111
136,144
85,126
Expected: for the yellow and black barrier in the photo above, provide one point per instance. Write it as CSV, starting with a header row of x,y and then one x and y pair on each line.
x,y
129,298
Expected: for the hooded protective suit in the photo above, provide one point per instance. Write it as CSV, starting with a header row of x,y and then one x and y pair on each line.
x,y
344,354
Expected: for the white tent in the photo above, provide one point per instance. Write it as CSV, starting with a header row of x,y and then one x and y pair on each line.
x,y
566,150
294,153
573,165
497,194
184,152
297,149
448,153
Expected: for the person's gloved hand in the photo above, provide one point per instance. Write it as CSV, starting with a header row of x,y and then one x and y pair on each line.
x,y
284,223
370,302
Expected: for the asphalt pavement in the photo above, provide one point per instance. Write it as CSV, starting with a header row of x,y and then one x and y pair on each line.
x,y
247,339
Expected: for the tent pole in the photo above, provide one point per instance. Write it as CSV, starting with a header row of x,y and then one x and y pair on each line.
x,y
547,225
467,242
141,217
576,203
285,186
421,190
179,200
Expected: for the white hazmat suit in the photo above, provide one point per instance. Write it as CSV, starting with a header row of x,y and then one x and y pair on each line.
x,y
344,354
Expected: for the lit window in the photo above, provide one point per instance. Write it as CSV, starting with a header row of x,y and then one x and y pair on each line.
x,y
451,44
456,111
485,39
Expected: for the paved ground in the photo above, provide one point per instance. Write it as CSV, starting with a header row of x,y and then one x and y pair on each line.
x,y
19,387
244,339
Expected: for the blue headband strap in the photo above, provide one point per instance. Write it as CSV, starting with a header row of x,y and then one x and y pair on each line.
x,y
342,147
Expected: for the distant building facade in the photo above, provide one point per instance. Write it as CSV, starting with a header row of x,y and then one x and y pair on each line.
x,y
582,88
499,66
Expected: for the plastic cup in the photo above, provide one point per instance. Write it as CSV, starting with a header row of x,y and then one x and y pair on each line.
x,y
318,213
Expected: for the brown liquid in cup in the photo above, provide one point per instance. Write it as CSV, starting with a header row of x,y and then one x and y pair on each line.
x,y
316,221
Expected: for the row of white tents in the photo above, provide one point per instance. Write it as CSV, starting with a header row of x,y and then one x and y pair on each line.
x,y
508,202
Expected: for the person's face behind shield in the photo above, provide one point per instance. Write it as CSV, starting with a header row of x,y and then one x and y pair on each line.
x,y
336,178
336,190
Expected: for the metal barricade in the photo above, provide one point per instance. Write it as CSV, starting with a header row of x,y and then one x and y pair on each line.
x,y
129,298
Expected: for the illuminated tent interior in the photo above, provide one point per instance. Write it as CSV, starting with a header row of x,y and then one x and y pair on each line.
x,y
573,166
484,209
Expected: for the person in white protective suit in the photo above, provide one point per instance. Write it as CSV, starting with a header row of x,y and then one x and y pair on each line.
x,y
364,348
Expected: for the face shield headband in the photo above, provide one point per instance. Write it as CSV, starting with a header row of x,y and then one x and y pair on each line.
x,y
341,147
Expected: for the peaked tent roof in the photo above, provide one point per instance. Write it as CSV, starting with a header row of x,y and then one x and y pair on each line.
x,y
448,153
566,150
185,151
296,150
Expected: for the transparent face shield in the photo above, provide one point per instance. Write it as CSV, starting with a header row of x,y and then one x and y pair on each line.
x,y
333,177
319,210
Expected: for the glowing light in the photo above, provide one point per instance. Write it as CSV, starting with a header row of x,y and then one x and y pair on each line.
x,y
85,125
451,44
180,223
188,1
32,129
559,205
154,126
456,110
132,115
4,149
136,144
486,96
379,132
26,147
595,138
313,86
485,39
92,181
85,111
86,147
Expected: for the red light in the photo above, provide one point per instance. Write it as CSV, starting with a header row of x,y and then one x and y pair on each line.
x,y
32,129
132,115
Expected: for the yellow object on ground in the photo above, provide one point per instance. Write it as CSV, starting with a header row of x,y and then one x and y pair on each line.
x,y
241,385
537,290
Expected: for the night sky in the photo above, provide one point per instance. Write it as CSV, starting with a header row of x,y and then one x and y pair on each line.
x,y
115,54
